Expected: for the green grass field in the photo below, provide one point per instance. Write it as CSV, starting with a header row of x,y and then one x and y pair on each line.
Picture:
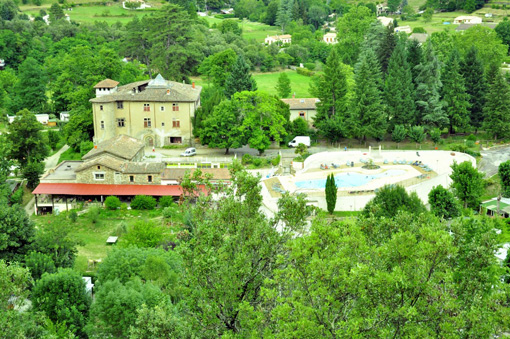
x,y
267,81
251,30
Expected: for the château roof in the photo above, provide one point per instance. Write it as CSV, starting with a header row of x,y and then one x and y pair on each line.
x,y
301,103
107,83
122,146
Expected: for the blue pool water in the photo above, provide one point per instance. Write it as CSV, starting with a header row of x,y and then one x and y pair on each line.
x,y
349,179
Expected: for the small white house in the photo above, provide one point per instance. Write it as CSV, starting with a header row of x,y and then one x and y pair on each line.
x,y
488,15
385,20
42,118
467,19
330,38
284,39
65,116
405,29
2,63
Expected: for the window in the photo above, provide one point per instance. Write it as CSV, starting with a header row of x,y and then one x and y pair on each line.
x,y
98,167
146,107
301,114
162,124
176,123
120,104
149,178
98,176
175,107
131,178
146,122
162,108
175,140
102,124
121,122
100,107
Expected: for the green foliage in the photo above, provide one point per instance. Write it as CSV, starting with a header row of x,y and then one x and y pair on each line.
x,y
497,108
390,200
16,233
144,234
417,134
218,66
63,298
331,193
427,15
351,29
17,196
283,86
27,144
246,159
39,263
276,161
73,215
304,71
443,203
57,241
166,201
143,202
31,86
32,172
161,321
79,128
468,184
53,139
301,149
435,135
399,134
239,79
112,202
476,86
229,26
504,176
14,280
93,214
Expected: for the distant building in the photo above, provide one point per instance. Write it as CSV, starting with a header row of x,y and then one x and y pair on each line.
x,y
280,39
467,19
405,29
157,111
381,9
385,20
304,108
329,38
42,118
420,37
2,63
65,116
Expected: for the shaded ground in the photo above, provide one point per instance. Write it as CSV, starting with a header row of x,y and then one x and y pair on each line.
x,y
491,159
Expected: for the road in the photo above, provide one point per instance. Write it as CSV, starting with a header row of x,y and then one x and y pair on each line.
x,y
491,159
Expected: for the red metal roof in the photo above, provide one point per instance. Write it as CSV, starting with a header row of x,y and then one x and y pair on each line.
x,y
99,189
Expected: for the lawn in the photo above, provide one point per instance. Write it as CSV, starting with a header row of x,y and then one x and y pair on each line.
x,y
70,154
251,30
267,81
93,235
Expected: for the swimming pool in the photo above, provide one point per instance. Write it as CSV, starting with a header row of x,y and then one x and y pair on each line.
x,y
348,179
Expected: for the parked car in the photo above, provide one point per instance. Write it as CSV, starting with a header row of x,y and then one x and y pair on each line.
x,y
189,152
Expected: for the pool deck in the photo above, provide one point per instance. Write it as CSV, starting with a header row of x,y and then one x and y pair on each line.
x,y
415,179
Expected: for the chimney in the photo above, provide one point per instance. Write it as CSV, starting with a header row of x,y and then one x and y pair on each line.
x,y
294,95
95,146
193,84
167,92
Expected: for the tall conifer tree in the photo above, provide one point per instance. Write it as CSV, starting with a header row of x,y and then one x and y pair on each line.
x,y
455,98
331,90
428,84
368,118
476,85
414,56
497,108
399,88
388,44
240,78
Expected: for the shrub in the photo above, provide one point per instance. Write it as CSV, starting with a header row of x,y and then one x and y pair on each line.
x,y
304,71
257,162
247,159
471,137
276,161
112,202
419,30
166,201
144,234
143,202
94,213
121,229
73,215
17,197
310,66
470,143
39,263
168,212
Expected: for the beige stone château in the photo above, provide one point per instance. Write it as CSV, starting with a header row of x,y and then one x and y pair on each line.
x,y
158,112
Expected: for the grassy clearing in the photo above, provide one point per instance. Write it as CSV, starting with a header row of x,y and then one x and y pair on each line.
x,y
251,30
267,81
109,223
70,154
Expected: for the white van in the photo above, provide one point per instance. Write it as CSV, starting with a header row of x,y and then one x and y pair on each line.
x,y
300,140
189,152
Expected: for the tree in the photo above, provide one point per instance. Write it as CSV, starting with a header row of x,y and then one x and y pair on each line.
x,y
443,203
218,66
497,108
417,134
30,88
390,200
62,296
399,88
112,202
455,98
14,281
32,173
351,28
79,128
427,15
393,5
414,57
222,129
39,263
486,41
159,322
386,48
56,240
16,233
504,177
56,13
367,118
26,141
331,193
435,135
428,85
476,86
144,234
239,79
468,184
399,134
226,26
331,89
503,31
283,85
284,13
